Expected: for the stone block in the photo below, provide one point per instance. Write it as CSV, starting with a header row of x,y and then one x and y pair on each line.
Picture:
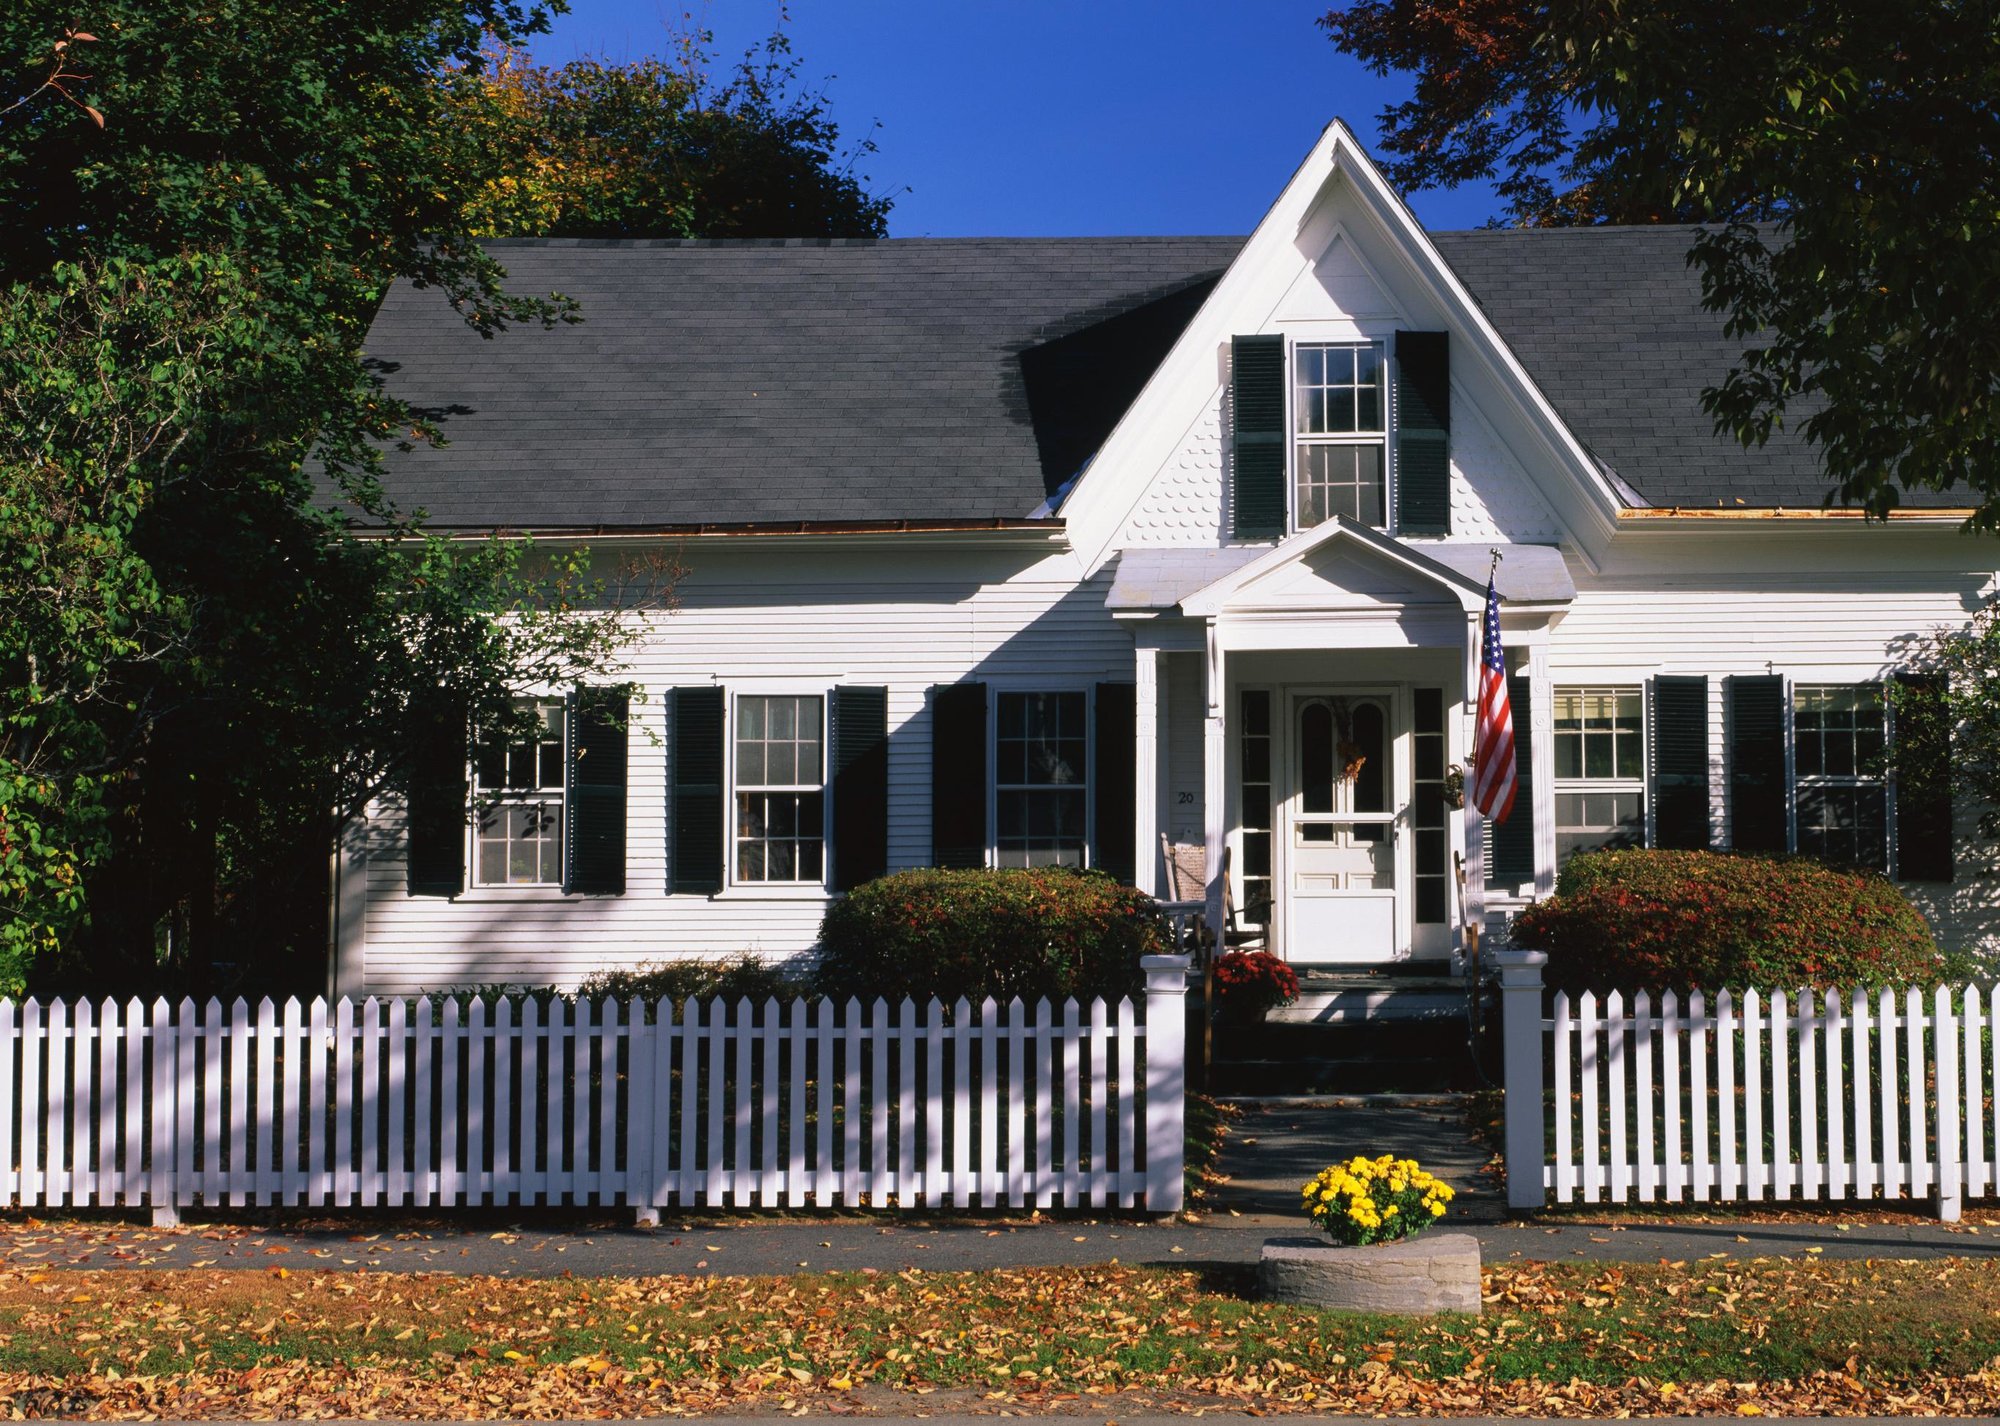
x,y
1432,1272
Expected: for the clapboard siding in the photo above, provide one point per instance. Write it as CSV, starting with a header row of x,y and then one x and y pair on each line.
x,y
1807,626
814,622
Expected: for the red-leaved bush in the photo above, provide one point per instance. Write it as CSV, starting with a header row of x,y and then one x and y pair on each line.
x,y
1251,982
1045,932
1663,920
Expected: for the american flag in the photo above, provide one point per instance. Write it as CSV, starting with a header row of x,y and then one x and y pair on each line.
x,y
1493,739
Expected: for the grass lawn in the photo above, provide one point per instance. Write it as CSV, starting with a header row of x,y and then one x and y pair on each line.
x,y
1764,1337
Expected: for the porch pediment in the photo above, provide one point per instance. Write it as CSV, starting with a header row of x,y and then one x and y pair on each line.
x,y
1333,568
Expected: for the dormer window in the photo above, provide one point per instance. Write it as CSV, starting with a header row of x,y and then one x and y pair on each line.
x,y
1340,421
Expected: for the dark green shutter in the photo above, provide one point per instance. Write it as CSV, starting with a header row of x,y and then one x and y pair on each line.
x,y
1680,762
594,798
1923,779
438,800
958,775
1257,420
1114,789
860,784
1511,844
1758,820
694,731
1423,433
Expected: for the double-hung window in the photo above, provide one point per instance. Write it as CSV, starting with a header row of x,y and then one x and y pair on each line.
x,y
1340,422
1040,807
780,789
518,786
1600,773
1840,739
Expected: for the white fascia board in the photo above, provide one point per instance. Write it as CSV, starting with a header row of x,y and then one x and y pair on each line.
x,y
1144,437
1594,515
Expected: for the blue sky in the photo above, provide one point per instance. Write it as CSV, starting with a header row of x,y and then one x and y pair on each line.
x,y
1054,117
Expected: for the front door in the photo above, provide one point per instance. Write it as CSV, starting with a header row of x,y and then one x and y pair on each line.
x,y
1344,843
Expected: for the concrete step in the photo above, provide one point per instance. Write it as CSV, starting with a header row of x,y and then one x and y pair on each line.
x,y
1372,1003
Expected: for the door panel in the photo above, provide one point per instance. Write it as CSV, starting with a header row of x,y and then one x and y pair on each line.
x,y
1344,844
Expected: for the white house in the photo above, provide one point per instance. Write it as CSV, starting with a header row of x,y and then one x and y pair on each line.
x,y
1158,555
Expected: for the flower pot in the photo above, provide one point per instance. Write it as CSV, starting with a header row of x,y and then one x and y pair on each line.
x,y
1432,1272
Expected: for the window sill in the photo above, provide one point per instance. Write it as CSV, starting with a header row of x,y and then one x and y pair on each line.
x,y
781,891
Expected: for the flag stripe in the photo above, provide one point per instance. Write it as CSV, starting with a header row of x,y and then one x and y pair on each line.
x,y
1493,775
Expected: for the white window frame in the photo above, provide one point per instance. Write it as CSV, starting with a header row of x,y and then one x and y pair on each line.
x,y
1798,782
1297,441
486,801
1584,785
734,883
997,690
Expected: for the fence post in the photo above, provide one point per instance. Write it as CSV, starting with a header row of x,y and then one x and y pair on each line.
x,y
1948,1171
1166,1080
1522,1074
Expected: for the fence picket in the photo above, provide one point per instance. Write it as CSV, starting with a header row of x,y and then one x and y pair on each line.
x,y
1125,1107
1754,1180
1045,1105
1838,1171
111,1036
1892,1150
1947,1173
456,1103
1617,1027
1701,1040
1808,1062
1917,1120
1642,1086
1586,1068
1674,1173
769,1196
1565,1112
881,1103
1861,1060
797,1032
989,1100
1781,1119
850,1103
1729,1179
1973,1078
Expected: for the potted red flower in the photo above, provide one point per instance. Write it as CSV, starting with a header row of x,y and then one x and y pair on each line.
x,y
1249,983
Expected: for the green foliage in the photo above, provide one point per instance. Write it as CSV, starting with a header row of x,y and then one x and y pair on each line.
x,y
1967,737
657,149
1864,129
201,671
1665,920
1046,932
678,982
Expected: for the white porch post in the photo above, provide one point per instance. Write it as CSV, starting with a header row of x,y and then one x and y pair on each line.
x,y
1475,852
1146,775
1214,781
1542,754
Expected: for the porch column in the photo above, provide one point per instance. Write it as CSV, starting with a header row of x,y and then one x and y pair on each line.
x,y
1146,773
1541,763
1475,851
1214,780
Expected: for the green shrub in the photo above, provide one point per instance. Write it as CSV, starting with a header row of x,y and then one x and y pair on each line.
x,y
1047,932
1703,920
681,981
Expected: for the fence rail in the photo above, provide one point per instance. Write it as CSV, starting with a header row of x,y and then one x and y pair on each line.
x,y
1750,1097
799,1104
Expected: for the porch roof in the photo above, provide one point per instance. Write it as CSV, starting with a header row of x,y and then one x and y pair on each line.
x,y
1159,580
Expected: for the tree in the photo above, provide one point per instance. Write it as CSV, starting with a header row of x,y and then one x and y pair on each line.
x,y
202,669
657,149
1841,157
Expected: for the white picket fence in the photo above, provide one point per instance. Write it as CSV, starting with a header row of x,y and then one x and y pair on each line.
x,y
800,1104
1757,1096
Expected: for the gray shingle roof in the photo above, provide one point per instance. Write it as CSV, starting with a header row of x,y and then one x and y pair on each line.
x,y
952,379
743,382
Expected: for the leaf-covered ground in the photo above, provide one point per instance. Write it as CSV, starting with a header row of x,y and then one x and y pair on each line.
x,y
1762,1337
